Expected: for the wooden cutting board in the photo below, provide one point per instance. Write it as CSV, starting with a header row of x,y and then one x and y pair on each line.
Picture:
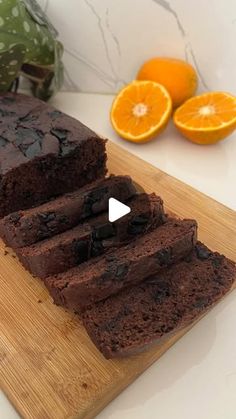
x,y
49,368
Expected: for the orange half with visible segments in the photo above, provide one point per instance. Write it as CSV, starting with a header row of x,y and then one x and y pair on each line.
x,y
141,110
207,118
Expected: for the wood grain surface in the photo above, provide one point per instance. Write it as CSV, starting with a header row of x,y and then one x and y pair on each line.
x,y
49,368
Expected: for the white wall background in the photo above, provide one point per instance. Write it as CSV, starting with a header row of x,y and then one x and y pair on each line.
x,y
107,40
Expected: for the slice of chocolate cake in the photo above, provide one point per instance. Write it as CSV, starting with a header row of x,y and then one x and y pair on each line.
x,y
98,279
136,317
23,228
43,153
91,238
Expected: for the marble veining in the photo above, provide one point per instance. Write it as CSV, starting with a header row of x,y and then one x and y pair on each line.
x,y
100,73
116,40
103,36
189,53
190,57
106,41
166,5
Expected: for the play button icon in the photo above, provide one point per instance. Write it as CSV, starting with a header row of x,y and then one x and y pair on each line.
x,y
117,210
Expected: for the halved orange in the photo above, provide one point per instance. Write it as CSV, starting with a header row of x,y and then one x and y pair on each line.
x,y
141,110
207,118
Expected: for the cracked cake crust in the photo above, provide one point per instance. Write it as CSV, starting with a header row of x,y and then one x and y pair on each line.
x,y
43,153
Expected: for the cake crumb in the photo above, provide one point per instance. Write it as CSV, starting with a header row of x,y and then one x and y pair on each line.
x,y
39,301
85,386
6,253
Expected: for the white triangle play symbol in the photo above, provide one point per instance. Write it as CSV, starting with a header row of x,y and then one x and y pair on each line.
x,y
117,210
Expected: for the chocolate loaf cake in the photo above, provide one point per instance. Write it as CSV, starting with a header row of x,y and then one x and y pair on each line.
x,y
131,320
43,153
91,238
98,279
23,228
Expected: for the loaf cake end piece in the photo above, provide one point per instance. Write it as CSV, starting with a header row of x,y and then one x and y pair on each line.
x,y
43,153
130,321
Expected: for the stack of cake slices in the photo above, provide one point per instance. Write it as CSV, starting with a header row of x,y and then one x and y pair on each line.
x,y
133,281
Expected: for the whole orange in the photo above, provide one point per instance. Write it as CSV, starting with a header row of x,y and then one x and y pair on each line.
x,y
177,76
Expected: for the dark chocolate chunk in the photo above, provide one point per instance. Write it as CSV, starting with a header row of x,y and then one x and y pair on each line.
x,y
65,146
66,149
3,142
87,210
63,219
27,136
42,233
136,229
43,216
161,292
14,217
81,249
97,248
110,258
29,141
122,270
139,220
138,224
164,257
28,118
96,194
5,113
216,262
113,323
92,199
109,326
51,217
107,274
33,150
47,217
29,225
61,134
54,114
202,252
103,231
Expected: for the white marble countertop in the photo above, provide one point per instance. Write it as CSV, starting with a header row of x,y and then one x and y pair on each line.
x,y
197,377
210,169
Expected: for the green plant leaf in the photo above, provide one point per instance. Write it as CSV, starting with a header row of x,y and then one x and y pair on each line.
x,y
24,25
10,64
39,16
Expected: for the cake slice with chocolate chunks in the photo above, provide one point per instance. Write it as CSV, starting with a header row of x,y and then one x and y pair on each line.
x,y
92,238
161,305
23,228
97,279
